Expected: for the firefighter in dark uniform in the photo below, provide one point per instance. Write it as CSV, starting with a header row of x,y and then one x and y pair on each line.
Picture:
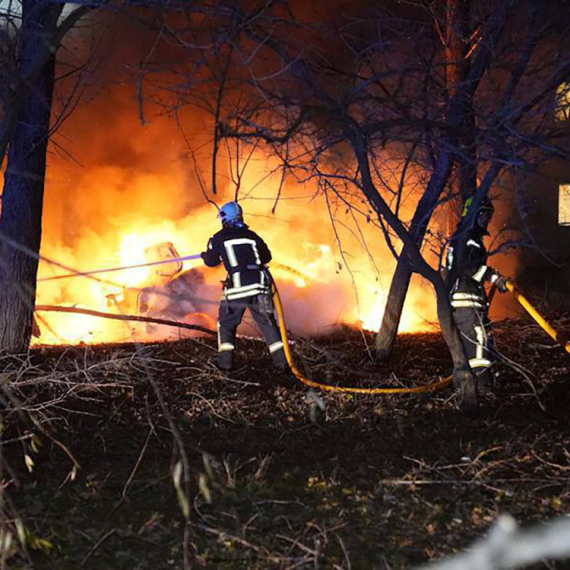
x,y
248,285
467,273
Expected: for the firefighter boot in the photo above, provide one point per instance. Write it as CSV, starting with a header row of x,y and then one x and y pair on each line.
x,y
225,360
278,356
485,380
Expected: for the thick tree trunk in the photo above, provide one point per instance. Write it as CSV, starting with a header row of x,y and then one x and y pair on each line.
x,y
384,341
462,376
457,67
22,198
386,336
411,253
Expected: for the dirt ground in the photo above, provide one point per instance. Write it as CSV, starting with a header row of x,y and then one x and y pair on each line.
x,y
177,463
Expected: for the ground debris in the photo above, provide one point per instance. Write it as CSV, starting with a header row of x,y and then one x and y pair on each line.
x,y
276,475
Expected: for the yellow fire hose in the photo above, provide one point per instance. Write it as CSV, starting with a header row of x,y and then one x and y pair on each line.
x,y
525,303
537,316
327,387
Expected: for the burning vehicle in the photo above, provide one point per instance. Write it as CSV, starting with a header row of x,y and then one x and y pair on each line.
x,y
168,292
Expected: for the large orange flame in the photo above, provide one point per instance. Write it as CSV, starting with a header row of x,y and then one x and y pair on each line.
x,y
136,188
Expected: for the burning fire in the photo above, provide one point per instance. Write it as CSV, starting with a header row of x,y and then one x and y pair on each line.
x,y
135,189
318,293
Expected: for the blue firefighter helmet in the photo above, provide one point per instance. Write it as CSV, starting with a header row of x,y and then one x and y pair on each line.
x,y
231,214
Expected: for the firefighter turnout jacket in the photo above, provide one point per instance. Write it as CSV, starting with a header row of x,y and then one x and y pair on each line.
x,y
468,271
244,255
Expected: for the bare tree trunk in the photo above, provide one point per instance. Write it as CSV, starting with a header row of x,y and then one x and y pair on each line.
x,y
458,24
458,44
462,374
457,67
386,336
384,341
22,198
16,97
411,256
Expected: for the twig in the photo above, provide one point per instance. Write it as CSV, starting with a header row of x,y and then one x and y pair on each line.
x,y
226,536
96,546
133,472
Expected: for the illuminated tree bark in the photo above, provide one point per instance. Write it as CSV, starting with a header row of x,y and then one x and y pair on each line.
x,y
22,198
24,131
462,374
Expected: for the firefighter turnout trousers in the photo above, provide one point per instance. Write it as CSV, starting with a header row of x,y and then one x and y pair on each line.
x,y
474,326
230,316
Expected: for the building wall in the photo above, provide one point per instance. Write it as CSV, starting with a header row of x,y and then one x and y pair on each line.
x,y
544,268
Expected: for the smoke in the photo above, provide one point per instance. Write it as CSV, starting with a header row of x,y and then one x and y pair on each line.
x,y
130,187
116,187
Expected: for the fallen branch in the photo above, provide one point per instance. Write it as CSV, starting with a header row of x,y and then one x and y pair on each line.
x,y
60,309
507,546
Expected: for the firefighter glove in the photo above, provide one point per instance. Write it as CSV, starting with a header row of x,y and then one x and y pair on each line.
x,y
501,284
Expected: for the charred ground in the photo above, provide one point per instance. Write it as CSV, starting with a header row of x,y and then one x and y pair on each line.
x,y
275,481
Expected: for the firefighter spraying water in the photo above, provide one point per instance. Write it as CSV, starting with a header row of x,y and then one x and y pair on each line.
x,y
247,286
